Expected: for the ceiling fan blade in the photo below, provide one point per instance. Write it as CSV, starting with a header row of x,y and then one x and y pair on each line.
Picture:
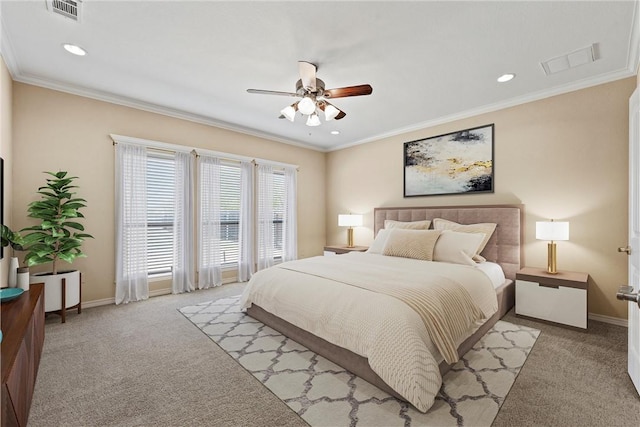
x,y
342,92
340,115
271,92
307,72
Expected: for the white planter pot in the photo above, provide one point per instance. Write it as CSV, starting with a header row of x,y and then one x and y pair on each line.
x,y
53,288
13,272
23,278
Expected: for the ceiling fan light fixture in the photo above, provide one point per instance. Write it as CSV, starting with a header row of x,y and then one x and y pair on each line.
x,y
313,120
330,112
307,106
289,112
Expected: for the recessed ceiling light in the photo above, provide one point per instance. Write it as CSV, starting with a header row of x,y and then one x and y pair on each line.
x,y
506,77
335,132
76,50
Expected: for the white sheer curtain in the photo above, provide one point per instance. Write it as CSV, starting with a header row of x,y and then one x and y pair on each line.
x,y
209,254
246,240
131,223
265,216
183,273
290,220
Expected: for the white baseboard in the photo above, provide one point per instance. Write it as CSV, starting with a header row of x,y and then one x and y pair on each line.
x,y
155,293
98,302
608,319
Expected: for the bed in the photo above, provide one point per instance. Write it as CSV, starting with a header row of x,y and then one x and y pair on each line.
x,y
370,334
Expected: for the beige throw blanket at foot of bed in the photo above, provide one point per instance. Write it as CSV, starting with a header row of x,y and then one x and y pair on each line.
x,y
359,302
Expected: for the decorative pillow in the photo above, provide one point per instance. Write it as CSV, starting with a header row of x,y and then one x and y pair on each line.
x,y
377,247
417,244
486,228
457,247
413,225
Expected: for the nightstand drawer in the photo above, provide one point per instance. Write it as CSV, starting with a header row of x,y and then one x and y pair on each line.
x,y
560,304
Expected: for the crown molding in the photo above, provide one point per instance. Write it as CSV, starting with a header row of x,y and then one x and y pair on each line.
x,y
632,69
536,96
153,108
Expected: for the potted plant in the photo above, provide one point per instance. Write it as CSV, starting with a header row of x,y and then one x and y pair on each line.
x,y
14,240
58,237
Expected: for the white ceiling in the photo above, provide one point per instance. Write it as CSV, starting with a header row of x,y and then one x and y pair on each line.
x,y
428,62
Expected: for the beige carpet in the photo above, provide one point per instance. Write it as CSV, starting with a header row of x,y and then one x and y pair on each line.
x,y
325,394
144,364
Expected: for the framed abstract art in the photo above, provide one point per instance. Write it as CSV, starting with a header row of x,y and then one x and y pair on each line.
x,y
453,163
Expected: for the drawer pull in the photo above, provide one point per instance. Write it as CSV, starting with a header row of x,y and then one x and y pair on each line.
x,y
544,285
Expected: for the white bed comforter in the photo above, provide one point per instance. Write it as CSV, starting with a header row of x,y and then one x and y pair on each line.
x,y
381,328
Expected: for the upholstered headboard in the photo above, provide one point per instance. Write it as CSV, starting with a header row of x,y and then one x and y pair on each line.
x,y
505,245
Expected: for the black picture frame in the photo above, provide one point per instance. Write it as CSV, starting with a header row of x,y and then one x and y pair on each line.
x,y
459,162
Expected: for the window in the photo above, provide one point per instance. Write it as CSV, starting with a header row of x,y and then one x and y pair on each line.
x,y
154,212
229,213
160,211
278,213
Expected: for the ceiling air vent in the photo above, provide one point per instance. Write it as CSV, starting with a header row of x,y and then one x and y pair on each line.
x,y
569,60
66,8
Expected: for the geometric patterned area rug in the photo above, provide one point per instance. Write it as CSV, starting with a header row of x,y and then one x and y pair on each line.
x,y
324,394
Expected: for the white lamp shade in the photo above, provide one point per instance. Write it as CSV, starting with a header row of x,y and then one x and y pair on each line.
x,y
552,230
349,220
289,113
330,112
306,106
313,120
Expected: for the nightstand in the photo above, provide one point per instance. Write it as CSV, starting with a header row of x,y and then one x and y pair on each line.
x,y
343,249
560,298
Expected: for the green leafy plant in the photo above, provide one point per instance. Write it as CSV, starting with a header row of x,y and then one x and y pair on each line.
x,y
59,235
10,238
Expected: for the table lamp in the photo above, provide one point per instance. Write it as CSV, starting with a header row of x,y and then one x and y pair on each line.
x,y
350,221
552,231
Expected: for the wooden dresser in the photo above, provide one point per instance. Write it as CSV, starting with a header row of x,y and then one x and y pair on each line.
x,y
22,321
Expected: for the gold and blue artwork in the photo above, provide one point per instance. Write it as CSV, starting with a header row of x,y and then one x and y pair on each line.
x,y
453,163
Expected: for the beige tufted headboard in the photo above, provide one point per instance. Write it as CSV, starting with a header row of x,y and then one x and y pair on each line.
x,y
505,245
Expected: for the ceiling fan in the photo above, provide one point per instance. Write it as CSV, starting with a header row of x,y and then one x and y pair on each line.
x,y
314,96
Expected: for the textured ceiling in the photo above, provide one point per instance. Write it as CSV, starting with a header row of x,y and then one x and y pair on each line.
x,y
428,62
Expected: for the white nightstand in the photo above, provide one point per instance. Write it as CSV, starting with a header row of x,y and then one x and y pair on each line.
x,y
343,249
560,298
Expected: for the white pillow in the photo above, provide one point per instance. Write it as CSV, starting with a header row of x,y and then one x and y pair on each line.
x,y
377,247
457,247
486,228
412,225
416,244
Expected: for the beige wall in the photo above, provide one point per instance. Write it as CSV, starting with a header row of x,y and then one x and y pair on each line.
x,y
58,131
563,157
6,88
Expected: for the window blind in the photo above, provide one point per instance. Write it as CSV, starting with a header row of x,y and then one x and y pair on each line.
x,y
160,211
278,213
229,213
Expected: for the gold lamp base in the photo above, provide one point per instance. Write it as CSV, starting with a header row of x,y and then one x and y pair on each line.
x,y
350,238
551,258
